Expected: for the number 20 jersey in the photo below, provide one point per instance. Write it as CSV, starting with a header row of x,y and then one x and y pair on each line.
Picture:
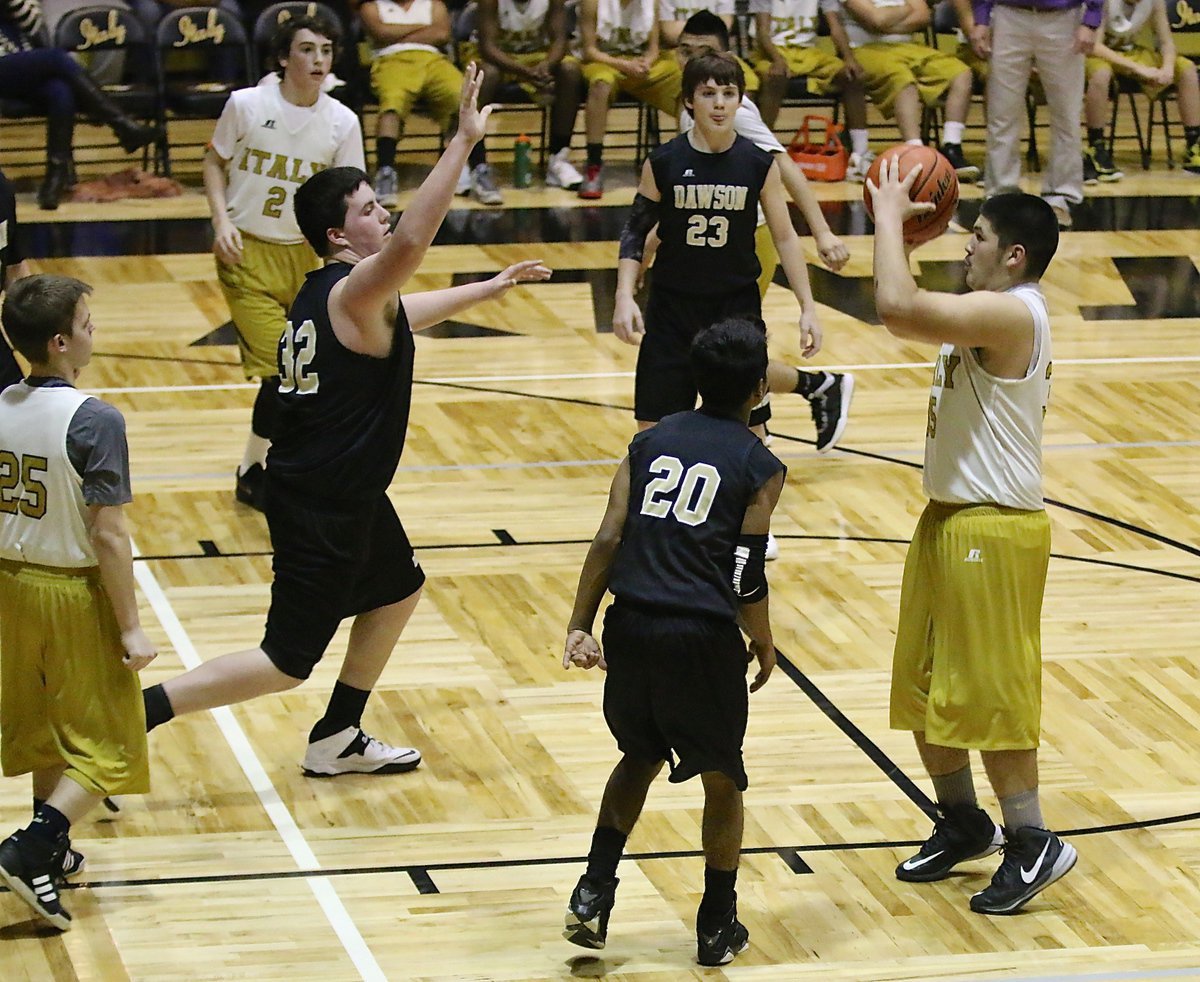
x,y
707,215
344,415
691,478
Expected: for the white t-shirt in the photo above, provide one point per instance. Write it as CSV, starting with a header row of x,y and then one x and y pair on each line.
x,y
793,22
273,147
858,35
1124,21
419,12
523,26
624,29
984,442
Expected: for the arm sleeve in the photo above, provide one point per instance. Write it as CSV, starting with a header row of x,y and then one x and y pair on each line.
x,y
1093,13
98,450
983,12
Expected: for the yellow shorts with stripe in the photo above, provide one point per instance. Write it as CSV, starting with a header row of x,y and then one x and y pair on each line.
x,y
1141,56
768,257
660,88
400,79
967,668
260,290
819,67
889,68
65,696
468,52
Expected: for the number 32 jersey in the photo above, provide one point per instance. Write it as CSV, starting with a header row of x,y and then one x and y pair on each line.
x,y
691,478
344,415
707,215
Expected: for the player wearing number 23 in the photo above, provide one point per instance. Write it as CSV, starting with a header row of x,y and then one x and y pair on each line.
x,y
703,189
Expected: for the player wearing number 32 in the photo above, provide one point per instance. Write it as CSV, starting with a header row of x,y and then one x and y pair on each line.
x,y
269,140
346,371
703,190
682,548
967,669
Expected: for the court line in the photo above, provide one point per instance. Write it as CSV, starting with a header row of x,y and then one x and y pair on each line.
x,y
583,376
327,897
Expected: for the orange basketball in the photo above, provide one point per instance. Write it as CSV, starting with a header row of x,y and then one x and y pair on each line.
x,y
937,183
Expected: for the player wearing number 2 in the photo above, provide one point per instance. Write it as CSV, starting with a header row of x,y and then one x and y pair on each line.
x,y
703,190
346,370
682,548
268,141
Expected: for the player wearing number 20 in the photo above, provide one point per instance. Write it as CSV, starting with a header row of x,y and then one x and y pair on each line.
x,y
269,140
703,189
682,548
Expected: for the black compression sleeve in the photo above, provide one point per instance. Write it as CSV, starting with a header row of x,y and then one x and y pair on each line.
x,y
642,217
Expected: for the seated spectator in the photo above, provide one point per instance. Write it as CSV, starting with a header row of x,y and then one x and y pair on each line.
x,y
409,64
56,84
901,74
673,14
619,40
787,47
526,42
13,266
1137,44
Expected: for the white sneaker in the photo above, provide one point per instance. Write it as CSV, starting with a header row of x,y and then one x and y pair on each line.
x,y
483,186
387,186
351,751
859,164
772,547
561,173
463,186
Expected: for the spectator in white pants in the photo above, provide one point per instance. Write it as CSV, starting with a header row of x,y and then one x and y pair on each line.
x,y
1052,36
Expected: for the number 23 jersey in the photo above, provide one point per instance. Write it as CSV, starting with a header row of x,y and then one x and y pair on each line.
x,y
707,215
691,478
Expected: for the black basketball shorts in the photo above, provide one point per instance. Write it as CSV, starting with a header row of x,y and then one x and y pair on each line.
x,y
676,688
663,382
329,566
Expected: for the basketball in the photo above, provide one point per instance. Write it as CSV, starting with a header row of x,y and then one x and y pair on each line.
x,y
937,183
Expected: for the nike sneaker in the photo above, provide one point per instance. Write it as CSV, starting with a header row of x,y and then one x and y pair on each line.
x,y
588,911
722,946
960,833
1033,859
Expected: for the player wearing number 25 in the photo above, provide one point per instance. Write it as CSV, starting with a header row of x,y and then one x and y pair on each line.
x,y
682,548
269,140
703,189
967,668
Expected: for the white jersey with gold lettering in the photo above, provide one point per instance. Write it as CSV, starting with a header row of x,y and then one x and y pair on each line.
x,y
273,147
983,443
41,494
523,25
624,29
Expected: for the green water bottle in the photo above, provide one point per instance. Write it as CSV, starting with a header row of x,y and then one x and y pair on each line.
x,y
522,163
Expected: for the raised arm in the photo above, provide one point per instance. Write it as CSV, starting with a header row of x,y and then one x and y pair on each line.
x,y
581,648
375,280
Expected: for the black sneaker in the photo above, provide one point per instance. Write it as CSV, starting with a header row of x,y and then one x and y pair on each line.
x,y
587,912
961,832
29,870
730,940
1033,859
72,863
1090,176
967,173
831,409
1098,154
251,486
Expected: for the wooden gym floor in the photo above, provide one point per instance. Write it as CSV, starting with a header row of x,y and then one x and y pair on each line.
x,y
237,866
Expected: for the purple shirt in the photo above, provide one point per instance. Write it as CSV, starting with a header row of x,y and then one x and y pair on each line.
x,y
1093,11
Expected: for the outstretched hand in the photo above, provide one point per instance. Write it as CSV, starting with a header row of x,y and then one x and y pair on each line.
x,y
472,121
583,651
891,197
527,271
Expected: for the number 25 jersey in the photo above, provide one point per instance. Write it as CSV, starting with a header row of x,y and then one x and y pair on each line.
x,y
691,478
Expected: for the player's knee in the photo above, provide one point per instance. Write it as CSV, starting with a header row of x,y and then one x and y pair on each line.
x,y
719,784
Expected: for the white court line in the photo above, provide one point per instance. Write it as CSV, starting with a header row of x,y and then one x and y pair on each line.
x,y
335,912
1150,973
582,376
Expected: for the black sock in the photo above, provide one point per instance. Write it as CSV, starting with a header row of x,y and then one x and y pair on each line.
x,y
808,383
607,846
345,709
558,142
595,154
158,706
720,894
1095,134
1190,135
37,803
385,151
49,826
477,156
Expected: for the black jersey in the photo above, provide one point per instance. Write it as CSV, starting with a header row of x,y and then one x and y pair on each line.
x,y
344,415
691,479
707,216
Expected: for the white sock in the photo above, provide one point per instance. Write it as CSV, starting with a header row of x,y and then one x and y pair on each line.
x,y
953,132
858,141
256,452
